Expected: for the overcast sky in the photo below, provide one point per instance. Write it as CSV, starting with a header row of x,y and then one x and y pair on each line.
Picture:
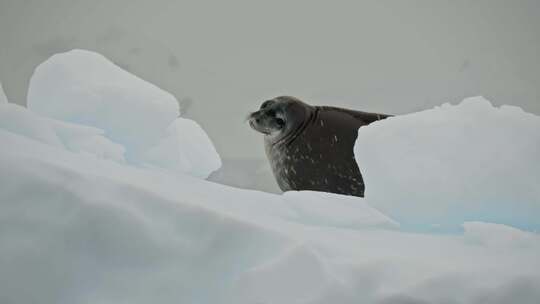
x,y
228,56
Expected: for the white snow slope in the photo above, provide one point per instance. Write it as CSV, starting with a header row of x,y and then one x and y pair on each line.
x,y
79,228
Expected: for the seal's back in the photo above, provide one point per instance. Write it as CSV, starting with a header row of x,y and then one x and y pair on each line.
x,y
320,157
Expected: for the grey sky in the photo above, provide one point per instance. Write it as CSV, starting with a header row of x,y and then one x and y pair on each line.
x,y
225,57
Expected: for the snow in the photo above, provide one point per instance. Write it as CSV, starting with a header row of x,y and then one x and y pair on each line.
x,y
85,88
17,119
497,235
438,168
76,138
80,229
86,217
85,139
319,208
200,159
246,173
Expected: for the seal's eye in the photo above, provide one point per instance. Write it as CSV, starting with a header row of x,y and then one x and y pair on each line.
x,y
280,122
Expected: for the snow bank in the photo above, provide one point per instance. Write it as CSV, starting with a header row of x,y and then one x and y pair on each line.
x,y
75,228
441,167
84,88
17,119
85,139
323,209
200,159
76,138
497,235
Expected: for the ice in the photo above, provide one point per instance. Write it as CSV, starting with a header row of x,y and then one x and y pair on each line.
x,y
139,120
246,173
3,98
91,212
75,228
17,119
185,148
76,138
438,168
84,87
498,235
320,208
85,139
307,278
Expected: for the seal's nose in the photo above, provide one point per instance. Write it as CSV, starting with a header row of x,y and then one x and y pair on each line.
x,y
251,116
255,116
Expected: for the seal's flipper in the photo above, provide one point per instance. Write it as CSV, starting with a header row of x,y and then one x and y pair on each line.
x,y
365,117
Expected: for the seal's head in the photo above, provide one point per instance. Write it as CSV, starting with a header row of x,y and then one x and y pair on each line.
x,y
279,116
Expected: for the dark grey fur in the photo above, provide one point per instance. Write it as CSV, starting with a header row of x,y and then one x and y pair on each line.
x,y
311,147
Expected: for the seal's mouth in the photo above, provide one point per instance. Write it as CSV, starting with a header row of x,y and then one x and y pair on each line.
x,y
264,123
255,122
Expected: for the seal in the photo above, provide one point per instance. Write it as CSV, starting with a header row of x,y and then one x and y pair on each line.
x,y
311,147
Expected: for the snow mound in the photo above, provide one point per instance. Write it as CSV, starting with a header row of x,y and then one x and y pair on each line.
x,y
498,235
3,97
75,138
80,229
320,208
451,164
17,119
198,160
85,139
85,88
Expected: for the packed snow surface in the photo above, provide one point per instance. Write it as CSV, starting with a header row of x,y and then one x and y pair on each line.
x,y
185,148
83,87
78,224
441,167
73,137
80,229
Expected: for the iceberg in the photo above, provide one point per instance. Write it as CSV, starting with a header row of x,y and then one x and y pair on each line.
x,y
441,167
185,148
85,88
